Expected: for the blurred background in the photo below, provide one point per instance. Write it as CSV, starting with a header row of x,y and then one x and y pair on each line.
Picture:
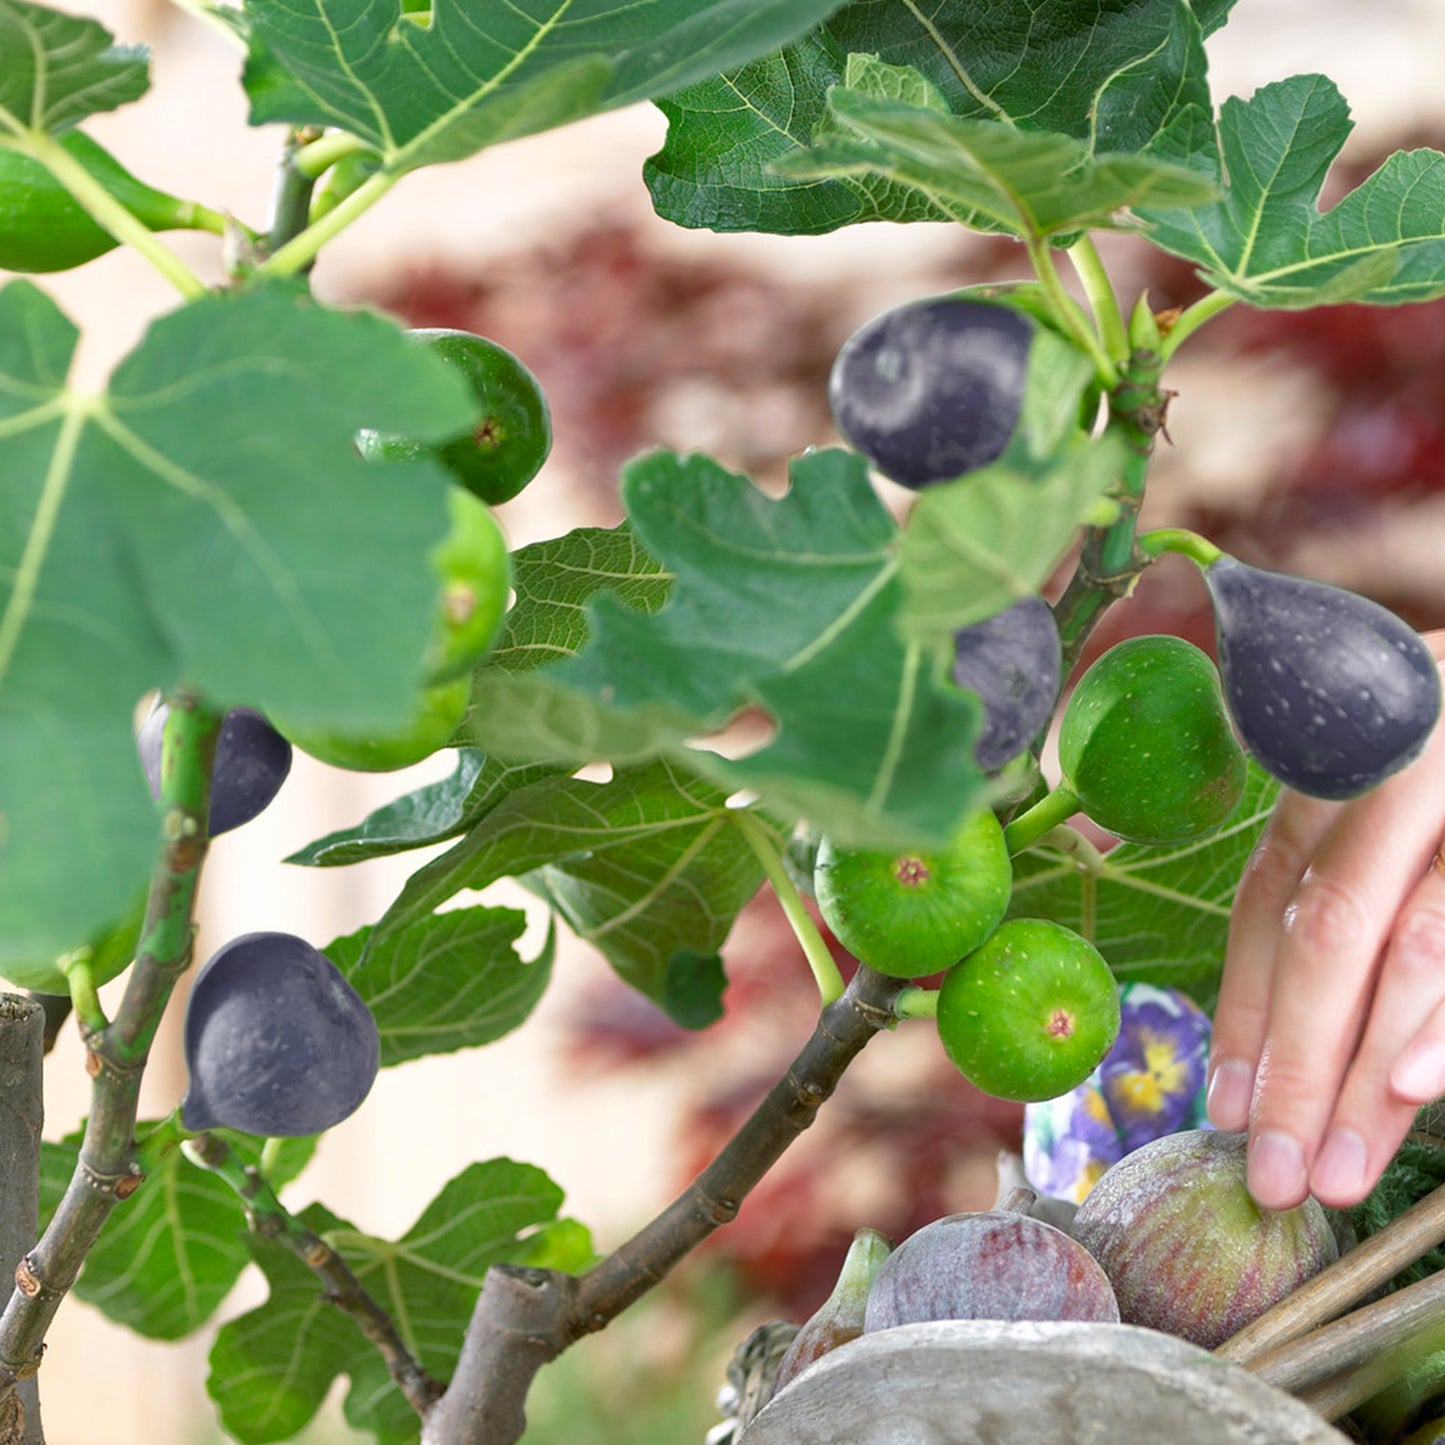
x,y
1311,443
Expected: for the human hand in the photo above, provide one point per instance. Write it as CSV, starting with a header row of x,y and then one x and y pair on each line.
x,y
1330,1027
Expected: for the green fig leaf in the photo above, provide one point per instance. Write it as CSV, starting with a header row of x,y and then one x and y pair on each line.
x,y
445,982
272,1367
423,94
156,535
1268,241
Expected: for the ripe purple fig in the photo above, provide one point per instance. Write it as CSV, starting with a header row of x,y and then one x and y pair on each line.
x,y
998,1264
1330,691
1186,1247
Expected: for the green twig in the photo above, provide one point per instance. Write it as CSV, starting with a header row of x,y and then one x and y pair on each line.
x,y
1192,318
301,250
1109,319
107,212
1189,544
1069,313
317,157
269,1218
820,960
84,999
917,1003
1045,815
1109,563
107,1170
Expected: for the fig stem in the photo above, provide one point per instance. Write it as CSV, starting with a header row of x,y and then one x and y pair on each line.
x,y
299,252
1069,313
917,1003
1047,814
1192,318
315,158
1155,543
1099,291
111,215
815,950
1335,1288
84,999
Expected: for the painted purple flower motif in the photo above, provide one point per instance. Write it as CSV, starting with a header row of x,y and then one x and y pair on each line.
x,y
1069,1142
1155,1070
1151,1083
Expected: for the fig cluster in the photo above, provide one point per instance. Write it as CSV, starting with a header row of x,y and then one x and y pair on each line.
x,y
1169,1240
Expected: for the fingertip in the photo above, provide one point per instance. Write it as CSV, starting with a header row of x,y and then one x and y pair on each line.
x,y
1275,1170
1418,1075
1231,1087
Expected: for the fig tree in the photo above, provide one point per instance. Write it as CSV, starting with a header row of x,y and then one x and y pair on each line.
x,y
932,390
1030,1013
1185,1246
1012,661
1331,692
998,1264
913,913
1146,746
277,1042
252,761
506,447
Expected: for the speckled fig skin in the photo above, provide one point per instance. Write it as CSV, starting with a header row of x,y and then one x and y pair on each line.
x,y
1185,1246
994,1265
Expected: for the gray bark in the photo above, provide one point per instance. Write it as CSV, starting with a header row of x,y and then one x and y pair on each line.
x,y
22,1113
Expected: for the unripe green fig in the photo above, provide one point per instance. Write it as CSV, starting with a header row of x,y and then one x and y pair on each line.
x,y
475,573
913,913
1146,745
1186,1247
1030,1013
840,1317
42,226
998,1264
439,713
505,449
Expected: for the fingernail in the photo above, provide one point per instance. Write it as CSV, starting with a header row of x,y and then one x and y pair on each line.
x,y
1339,1172
1276,1170
1231,1087
1419,1073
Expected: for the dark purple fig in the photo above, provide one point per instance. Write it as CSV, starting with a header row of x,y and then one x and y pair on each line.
x,y
998,1264
932,390
1185,1246
252,760
1012,661
840,1317
276,1040
1331,692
